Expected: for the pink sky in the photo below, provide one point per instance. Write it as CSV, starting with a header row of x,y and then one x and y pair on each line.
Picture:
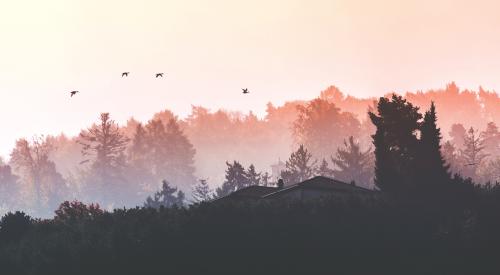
x,y
280,50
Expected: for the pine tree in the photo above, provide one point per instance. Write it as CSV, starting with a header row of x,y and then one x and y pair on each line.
x,y
324,170
104,145
432,168
353,164
236,178
396,143
253,178
202,191
457,134
299,167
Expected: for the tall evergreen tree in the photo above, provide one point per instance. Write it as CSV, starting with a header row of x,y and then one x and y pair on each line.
x,y
104,144
353,164
236,178
299,167
396,143
432,167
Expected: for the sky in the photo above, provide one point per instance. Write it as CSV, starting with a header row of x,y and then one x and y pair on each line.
x,y
209,50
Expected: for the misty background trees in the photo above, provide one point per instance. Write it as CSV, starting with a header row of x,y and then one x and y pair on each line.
x,y
121,165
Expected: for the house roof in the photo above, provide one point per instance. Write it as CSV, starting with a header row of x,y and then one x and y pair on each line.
x,y
250,192
321,183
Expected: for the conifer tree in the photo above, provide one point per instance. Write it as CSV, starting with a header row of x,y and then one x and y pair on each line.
x,y
396,143
353,164
432,167
236,178
202,191
253,178
299,167
104,145
324,170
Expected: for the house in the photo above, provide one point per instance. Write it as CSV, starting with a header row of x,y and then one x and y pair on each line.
x,y
319,187
254,192
314,188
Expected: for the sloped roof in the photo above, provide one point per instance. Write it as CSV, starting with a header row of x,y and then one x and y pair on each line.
x,y
322,183
250,192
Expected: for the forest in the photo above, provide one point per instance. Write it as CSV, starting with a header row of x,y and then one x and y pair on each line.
x,y
122,165
432,215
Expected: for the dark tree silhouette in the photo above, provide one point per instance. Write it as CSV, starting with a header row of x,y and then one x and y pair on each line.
x,y
299,167
396,143
353,164
431,164
236,178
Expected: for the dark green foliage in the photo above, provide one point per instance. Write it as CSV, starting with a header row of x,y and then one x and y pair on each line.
x,y
396,143
13,226
431,164
270,237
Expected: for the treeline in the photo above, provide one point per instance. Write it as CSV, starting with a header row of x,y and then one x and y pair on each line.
x,y
122,165
424,219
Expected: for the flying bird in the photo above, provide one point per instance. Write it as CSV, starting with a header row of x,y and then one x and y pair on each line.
x,y
245,91
84,161
159,75
125,74
73,93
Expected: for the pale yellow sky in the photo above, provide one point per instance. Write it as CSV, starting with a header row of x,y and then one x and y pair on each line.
x,y
280,50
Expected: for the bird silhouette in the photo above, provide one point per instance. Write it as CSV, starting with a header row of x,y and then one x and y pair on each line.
x,y
74,93
125,74
245,91
84,161
159,75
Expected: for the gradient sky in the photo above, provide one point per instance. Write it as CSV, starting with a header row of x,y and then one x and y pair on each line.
x,y
280,50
